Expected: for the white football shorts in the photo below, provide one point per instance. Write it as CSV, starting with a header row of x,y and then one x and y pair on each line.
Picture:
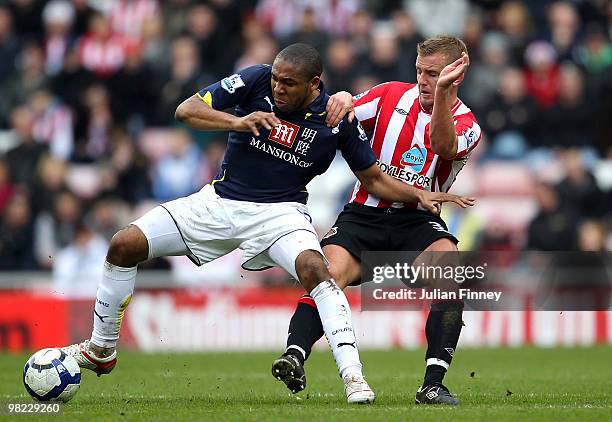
x,y
205,226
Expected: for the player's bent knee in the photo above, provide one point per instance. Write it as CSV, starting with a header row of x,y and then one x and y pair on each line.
x,y
128,247
442,245
310,268
340,277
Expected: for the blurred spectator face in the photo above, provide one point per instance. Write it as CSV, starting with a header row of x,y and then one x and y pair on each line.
x,y
67,207
263,51
180,143
494,50
96,97
512,85
72,61
473,29
152,29
290,88
384,49
428,70
340,55
591,237
571,85
104,215
17,212
100,27
564,22
184,58
595,40
546,197
253,31
361,24
201,21
574,165
540,56
133,57
82,236
123,152
6,22
39,101
32,60
404,25
80,4
22,121
514,19
308,23
58,16
52,173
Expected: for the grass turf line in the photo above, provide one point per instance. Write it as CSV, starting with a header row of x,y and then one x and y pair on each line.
x,y
507,384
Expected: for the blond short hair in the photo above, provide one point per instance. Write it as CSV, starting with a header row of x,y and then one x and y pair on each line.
x,y
451,47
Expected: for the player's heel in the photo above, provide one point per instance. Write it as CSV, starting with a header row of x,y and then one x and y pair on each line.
x,y
357,390
289,370
86,358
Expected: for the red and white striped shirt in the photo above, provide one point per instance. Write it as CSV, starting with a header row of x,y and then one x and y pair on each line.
x,y
393,112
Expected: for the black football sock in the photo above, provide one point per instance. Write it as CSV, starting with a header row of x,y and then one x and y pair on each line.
x,y
442,330
305,329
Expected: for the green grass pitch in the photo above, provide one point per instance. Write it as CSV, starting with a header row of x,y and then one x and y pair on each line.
x,y
507,384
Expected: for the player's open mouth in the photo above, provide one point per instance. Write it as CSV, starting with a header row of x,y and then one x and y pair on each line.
x,y
279,102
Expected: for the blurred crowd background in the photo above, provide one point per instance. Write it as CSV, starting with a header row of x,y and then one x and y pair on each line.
x,y
88,140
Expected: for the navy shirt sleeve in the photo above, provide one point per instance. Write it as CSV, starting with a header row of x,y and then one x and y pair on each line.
x,y
235,89
355,146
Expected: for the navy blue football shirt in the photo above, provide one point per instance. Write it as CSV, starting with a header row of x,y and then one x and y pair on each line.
x,y
276,165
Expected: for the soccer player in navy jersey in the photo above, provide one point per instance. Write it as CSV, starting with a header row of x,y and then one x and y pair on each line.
x,y
422,136
278,142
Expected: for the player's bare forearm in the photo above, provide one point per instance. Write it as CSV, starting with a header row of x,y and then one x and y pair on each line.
x,y
442,134
386,187
442,127
199,115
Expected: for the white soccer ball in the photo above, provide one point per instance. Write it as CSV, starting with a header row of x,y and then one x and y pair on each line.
x,y
51,375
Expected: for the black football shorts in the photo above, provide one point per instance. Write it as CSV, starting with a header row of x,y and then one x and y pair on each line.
x,y
363,228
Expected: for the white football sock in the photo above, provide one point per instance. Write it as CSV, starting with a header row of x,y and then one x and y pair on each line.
x,y
335,315
114,294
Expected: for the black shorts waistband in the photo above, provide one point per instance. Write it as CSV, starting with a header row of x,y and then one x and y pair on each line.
x,y
353,206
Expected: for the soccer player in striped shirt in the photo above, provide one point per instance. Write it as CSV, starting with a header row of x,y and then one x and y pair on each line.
x,y
422,135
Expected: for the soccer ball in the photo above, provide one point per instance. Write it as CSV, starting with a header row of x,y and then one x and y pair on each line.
x,y
51,375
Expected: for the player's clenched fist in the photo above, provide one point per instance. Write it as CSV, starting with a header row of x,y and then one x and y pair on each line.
x,y
252,122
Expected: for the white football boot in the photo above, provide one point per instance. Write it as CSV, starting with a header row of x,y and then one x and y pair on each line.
x,y
357,390
86,358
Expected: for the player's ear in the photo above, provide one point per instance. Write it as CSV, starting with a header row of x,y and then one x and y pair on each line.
x,y
314,82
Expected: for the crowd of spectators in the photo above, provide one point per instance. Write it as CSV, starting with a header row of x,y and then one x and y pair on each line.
x,y
88,139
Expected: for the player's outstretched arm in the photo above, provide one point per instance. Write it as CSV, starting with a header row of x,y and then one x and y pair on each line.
x,y
386,187
442,134
198,115
338,106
